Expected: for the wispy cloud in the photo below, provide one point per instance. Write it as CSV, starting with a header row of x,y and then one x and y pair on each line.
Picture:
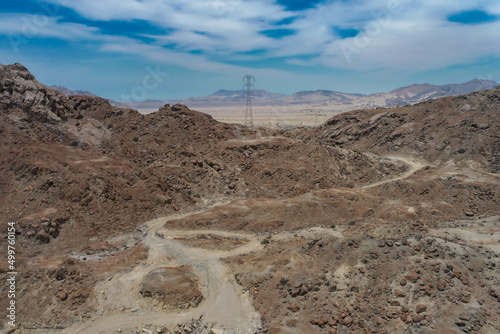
x,y
22,25
413,37
271,37
416,34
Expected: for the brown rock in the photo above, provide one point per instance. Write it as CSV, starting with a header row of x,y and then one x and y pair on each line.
x,y
465,299
417,318
322,322
347,321
441,285
62,295
332,322
392,313
402,282
399,293
420,308
412,277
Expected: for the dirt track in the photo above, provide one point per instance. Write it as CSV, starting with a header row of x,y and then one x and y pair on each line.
x,y
120,304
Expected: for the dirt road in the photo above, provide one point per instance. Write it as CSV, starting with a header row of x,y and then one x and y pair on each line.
x,y
121,306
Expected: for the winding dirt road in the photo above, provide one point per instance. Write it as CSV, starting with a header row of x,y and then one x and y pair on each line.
x,y
120,304
414,167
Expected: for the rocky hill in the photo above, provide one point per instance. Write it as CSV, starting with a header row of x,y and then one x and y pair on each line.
x,y
78,159
379,221
462,130
53,141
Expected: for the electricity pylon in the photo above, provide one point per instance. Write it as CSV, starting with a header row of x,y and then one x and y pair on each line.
x,y
249,92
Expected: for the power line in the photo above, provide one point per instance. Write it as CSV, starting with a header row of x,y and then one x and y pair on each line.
x,y
249,92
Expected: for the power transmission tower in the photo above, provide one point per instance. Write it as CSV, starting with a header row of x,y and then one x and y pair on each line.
x,y
249,92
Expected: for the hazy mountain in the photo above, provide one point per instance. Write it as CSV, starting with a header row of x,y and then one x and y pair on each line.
x,y
401,96
418,93
319,96
258,94
69,92
224,97
147,104
415,91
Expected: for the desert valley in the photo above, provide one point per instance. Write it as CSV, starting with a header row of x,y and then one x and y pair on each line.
x,y
377,220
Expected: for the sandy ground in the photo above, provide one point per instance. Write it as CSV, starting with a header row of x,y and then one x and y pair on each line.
x,y
121,306
283,117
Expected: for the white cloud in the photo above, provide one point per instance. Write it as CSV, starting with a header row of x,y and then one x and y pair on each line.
x,y
28,26
402,34
161,55
417,39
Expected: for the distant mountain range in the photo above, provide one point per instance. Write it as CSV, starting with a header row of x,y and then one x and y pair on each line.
x,y
69,92
321,98
417,93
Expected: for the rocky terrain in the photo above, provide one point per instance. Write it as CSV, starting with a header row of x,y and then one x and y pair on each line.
x,y
461,131
378,221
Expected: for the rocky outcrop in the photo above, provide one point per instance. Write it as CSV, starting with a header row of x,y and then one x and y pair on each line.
x,y
21,91
461,130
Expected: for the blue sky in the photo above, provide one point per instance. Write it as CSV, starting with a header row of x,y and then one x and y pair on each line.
x,y
155,49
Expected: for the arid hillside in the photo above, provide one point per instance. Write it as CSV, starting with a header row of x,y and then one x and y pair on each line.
x,y
378,221
462,130
78,157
